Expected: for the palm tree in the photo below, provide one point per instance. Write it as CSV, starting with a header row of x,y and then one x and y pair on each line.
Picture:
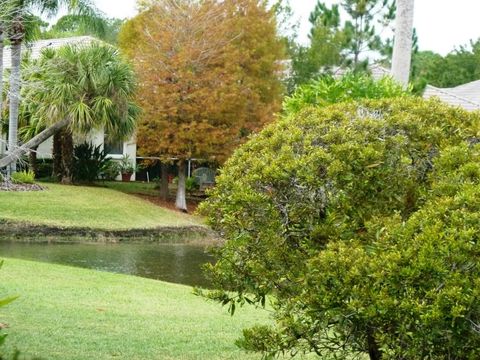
x,y
402,50
19,14
79,89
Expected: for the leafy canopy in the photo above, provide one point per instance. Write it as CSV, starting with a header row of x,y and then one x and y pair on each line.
x,y
360,221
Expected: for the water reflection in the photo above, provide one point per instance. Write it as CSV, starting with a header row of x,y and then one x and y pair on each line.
x,y
168,262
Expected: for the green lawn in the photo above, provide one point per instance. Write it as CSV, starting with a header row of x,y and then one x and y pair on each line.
x,y
91,207
71,313
132,187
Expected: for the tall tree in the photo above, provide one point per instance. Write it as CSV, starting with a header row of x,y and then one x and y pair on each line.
x,y
209,76
337,42
402,50
20,13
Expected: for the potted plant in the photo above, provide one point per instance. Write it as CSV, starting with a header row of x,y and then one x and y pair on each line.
x,y
127,168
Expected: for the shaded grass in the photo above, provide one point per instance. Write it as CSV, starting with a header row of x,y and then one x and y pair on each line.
x,y
71,313
87,207
132,187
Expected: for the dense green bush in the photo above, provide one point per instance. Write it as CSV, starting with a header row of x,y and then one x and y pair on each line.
x,y
88,162
361,221
329,90
23,177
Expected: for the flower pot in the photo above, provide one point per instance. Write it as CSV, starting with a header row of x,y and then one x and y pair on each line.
x,y
126,177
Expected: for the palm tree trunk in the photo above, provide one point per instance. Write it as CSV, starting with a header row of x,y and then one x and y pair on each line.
x,y
181,201
14,101
57,170
402,50
32,161
36,141
164,182
67,156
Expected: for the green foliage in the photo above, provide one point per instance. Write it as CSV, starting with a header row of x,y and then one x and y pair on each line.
x,y
127,166
4,302
457,68
328,90
191,184
110,170
360,222
23,177
88,162
343,35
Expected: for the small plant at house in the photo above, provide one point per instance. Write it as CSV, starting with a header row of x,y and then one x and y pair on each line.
x,y
110,170
127,168
23,177
191,184
89,160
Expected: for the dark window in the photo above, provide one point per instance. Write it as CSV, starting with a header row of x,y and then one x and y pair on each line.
x,y
113,147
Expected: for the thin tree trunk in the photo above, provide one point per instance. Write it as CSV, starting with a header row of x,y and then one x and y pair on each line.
x,y
57,170
32,159
14,101
373,350
402,49
164,182
181,202
36,141
67,156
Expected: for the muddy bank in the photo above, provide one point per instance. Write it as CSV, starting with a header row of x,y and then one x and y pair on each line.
x,y
12,231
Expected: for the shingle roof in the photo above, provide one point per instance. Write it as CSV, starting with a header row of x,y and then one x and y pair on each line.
x,y
36,47
466,96
376,70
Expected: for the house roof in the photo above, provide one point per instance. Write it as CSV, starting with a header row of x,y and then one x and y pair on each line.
x,y
36,47
376,70
466,96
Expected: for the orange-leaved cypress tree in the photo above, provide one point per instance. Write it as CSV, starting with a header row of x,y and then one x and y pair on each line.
x,y
209,75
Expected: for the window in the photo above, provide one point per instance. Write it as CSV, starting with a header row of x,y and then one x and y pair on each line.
x,y
113,147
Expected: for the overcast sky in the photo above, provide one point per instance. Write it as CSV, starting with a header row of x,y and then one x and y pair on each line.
x,y
442,25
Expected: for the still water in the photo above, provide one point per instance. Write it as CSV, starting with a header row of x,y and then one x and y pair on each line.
x,y
173,263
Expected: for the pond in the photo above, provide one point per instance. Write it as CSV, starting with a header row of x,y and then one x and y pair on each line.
x,y
167,262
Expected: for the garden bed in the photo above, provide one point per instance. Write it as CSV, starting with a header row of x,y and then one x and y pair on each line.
x,y
7,185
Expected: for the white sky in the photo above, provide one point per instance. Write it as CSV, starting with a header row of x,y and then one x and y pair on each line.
x,y
442,25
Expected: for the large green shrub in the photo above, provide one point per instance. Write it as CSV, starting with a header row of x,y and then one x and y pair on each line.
x,y
348,218
88,162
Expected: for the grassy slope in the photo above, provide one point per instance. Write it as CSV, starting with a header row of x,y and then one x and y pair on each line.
x,y
77,206
70,313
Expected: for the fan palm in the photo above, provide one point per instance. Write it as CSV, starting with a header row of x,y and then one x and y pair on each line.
x,y
18,15
78,89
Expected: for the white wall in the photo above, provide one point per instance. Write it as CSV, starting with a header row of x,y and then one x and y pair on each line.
x,y
96,138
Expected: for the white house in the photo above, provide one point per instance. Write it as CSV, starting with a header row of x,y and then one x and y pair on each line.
x,y
114,150
466,96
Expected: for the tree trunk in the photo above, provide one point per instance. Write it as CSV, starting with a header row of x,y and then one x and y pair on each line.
x,y
181,202
373,350
402,50
67,156
164,182
36,141
32,160
57,156
16,49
